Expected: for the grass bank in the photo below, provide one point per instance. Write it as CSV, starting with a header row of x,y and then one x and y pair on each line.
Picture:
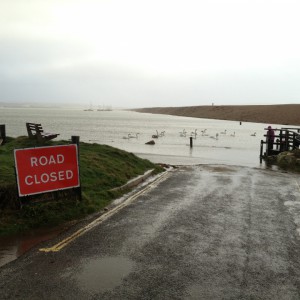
x,y
102,168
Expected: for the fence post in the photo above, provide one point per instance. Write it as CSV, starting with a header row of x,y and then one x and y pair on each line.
x,y
294,140
75,140
267,146
191,142
287,142
2,133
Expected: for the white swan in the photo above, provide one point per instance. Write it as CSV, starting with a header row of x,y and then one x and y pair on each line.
x,y
182,133
233,134
215,137
155,136
204,132
224,132
130,136
162,134
253,134
194,133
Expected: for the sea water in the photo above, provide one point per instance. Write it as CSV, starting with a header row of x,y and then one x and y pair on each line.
x,y
216,141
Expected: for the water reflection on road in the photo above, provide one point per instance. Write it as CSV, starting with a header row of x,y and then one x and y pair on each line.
x,y
105,273
14,246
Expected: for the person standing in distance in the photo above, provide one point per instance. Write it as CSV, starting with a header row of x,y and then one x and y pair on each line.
x,y
270,137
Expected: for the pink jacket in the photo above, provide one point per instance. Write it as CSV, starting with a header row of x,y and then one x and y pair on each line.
x,y
270,134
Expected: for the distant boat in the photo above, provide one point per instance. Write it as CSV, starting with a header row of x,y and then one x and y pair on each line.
x,y
105,108
89,109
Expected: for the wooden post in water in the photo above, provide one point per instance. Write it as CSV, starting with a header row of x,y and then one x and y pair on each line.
x,y
191,142
267,146
261,150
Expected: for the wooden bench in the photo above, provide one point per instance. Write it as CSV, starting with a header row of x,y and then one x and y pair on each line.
x,y
35,131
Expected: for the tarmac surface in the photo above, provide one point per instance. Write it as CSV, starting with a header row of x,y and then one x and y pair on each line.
x,y
199,232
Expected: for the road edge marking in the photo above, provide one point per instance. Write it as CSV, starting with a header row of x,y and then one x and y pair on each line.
x,y
60,245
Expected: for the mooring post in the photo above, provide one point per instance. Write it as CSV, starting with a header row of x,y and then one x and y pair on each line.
x,y
191,142
261,150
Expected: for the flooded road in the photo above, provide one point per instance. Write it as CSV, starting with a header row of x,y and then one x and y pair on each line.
x,y
203,232
14,246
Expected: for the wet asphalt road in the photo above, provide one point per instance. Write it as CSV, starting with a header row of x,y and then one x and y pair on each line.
x,y
205,232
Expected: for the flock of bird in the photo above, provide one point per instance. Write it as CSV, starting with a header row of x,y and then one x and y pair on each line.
x,y
184,133
194,134
203,133
136,135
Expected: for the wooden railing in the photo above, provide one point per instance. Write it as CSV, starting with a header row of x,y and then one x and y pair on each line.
x,y
286,139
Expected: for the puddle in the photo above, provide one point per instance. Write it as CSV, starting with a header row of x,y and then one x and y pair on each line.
x,y
13,247
105,273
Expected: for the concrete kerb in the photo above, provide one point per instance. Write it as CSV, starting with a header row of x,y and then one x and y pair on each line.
x,y
138,184
134,182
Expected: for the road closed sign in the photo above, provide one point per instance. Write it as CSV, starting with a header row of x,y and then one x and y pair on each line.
x,y
46,169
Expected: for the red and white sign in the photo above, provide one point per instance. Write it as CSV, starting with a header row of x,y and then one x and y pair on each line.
x,y
46,169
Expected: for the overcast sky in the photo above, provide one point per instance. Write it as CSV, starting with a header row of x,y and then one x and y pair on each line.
x,y
138,53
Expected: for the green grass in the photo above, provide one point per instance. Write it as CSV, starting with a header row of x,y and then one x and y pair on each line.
x,y
101,168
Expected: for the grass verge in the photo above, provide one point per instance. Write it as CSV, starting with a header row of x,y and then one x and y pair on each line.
x,y
102,168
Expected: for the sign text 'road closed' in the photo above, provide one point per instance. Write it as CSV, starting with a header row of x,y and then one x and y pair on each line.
x,y
46,169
